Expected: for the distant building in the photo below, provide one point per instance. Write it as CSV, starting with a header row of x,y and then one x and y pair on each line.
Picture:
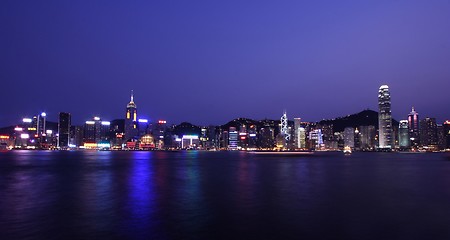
x,y
117,133
441,138
384,118
96,131
146,142
159,129
428,133
315,138
446,127
76,136
252,137
367,137
232,139
404,134
131,130
297,126
349,137
143,127
64,130
267,137
413,126
357,139
284,131
302,138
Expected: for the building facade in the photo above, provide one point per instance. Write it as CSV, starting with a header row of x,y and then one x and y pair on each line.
x,y
403,134
413,126
64,125
131,130
384,118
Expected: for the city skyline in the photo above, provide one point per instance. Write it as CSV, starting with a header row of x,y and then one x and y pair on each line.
x,y
132,105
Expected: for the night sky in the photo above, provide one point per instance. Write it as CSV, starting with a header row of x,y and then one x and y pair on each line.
x,y
208,62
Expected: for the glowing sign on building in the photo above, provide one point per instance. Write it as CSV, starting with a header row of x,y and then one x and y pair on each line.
x,y
27,120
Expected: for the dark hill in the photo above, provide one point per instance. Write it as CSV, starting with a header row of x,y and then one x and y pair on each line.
x,y
364,118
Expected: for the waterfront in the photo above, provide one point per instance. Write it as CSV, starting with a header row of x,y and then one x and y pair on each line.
x,y
223,195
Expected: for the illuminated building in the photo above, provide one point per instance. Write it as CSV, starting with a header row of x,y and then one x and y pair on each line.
x,y
147,142
131,130
232,139
96,131
284,132
315,137
302,138
441,138
349,137
243,137
428,133
190,142
413,125
403,134
159,131
4,142
224,139
41,120
143,127
446,127
357,139
64,130
297,126
76,136
367,137
252,137
117,133
384,118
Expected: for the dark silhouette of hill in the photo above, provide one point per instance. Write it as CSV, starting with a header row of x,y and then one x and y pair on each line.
x,y
364,118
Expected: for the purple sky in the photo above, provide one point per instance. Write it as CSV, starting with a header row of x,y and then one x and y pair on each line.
x,y
208,62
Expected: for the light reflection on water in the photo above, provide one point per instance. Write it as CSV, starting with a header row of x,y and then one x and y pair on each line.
x,y
222,195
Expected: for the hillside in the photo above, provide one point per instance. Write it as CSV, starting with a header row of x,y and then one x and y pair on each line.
x,y
364,118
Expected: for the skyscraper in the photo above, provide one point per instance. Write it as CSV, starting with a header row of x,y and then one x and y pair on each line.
x,y
96,131
64,130
446,126
131,130
384,118
403,134
413,125
284,132
297,126
428,133
349,137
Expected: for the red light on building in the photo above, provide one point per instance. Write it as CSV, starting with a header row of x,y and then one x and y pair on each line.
x,y
162,121
243,138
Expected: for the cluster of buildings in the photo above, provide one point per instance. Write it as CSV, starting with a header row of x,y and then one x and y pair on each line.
x,y
412,133
133,133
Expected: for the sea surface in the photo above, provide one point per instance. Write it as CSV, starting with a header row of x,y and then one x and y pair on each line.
x,y
223,195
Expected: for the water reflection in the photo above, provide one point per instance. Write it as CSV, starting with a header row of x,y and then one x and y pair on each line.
x,y
141,202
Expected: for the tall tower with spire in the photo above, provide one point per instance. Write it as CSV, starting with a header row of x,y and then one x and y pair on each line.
x,y
413,125
284,129
131,130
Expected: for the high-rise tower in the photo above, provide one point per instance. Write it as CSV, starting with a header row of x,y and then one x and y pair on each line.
x,y
64,130
413,126
384,118
131,130
403,134
284,131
